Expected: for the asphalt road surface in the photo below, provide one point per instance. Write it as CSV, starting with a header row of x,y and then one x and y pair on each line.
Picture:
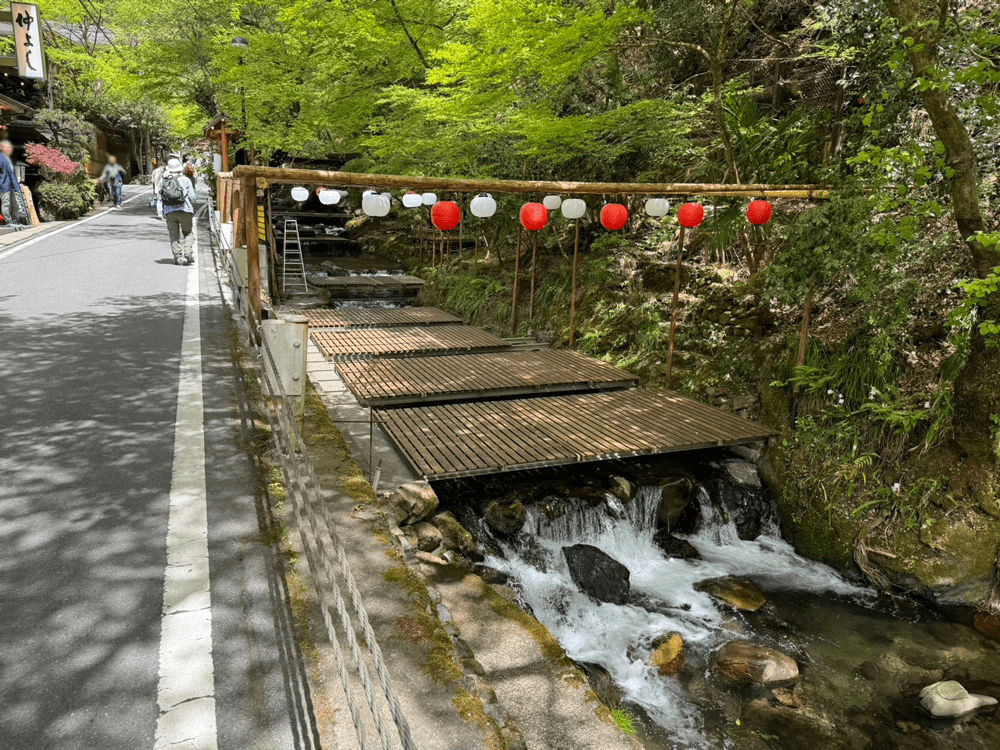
x,y
120,412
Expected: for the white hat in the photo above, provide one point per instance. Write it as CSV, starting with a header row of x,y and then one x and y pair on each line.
x,y
174,166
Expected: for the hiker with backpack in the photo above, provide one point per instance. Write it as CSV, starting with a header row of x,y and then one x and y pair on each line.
x,y
177,201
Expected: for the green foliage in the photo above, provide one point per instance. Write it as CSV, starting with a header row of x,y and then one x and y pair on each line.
x,y
624,721
71,134
66,200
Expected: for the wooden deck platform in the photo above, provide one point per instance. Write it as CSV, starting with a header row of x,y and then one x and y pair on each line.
x,y
461,440
346,344
378,317
366,287
399,382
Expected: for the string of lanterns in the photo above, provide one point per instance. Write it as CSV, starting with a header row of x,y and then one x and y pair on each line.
x,y
446,215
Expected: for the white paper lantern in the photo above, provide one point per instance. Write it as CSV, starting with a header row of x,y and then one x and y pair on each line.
x,y
375,204
483,206
412,200
429,199
573,208
552,202
300,193
329,197
657,207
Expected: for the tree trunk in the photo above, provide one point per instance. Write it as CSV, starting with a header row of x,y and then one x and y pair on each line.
x,y
976,394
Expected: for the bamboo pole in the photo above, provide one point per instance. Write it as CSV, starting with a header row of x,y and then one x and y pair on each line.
x,y
461,215
534,261
316,176
572,301
673,310
517,273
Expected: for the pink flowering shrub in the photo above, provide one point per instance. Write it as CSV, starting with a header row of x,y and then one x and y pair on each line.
x,y
50,161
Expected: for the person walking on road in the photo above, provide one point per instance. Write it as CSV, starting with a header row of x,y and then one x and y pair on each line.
x,y
158,174
10,188
112,176
176,197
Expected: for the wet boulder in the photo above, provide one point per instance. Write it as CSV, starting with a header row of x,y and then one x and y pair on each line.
x,y
949,700
740,593
743,472
412,502
455,535
673,547
668,654
988,625
623,489
505,516
745,662
597,574
677,511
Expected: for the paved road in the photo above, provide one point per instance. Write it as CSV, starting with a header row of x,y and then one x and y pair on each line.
x,y
102,339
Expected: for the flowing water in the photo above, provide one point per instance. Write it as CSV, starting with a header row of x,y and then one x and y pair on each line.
x,y
692,709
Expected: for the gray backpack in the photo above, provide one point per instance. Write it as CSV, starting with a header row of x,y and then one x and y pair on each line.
x,y
171,191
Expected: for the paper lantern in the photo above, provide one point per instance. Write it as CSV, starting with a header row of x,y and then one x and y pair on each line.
x,y
552,202
483,206
657,207
759,212
429,199
691,215
375,204
573,208
614,216
329,197
412,200
300,194
534,216
446,215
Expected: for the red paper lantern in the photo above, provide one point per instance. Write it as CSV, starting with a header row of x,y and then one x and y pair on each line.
x,y
614,216
446,215
759,212
691,215
534,216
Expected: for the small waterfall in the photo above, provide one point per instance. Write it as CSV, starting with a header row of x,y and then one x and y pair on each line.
x,y
619,637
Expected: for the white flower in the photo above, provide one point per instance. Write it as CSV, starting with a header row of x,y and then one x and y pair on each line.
x,y
840,400
927,404
895,488
872,393
829,391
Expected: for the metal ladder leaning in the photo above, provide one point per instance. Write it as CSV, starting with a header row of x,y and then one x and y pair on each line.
x,y
293,269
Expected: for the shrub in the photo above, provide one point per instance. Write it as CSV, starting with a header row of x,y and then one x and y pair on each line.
x,y
52,162
66,200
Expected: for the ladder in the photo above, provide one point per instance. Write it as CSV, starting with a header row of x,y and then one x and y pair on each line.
x,y
293,269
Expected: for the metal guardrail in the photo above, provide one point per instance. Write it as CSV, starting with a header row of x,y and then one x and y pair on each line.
x,y
316,526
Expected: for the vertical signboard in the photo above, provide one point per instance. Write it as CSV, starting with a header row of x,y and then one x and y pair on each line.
x,y
28,40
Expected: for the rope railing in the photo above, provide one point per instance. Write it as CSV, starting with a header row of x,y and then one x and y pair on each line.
x,y
320,541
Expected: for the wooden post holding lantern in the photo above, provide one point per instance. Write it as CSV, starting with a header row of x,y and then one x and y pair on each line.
x,y
689,216
572,301
517,274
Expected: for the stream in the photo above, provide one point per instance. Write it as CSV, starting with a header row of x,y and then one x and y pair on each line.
x,y
862,657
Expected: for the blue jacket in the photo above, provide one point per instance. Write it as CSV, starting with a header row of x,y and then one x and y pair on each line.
x,y
8,177
189,196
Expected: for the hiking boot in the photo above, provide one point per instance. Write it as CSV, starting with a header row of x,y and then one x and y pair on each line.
x,y
178,261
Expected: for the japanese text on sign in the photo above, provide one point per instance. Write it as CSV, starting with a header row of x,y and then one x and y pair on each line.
x,y
28,40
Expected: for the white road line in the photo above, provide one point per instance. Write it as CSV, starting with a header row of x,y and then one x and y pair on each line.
x,y
186,692
54,232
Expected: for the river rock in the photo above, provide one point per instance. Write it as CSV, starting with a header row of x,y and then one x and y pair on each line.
x,y
668,654
988,625
743,472
455,535
602,683
678,492
949,700
671,546
623,489
745,662
741,593
428,536
505,516
412,502
597,574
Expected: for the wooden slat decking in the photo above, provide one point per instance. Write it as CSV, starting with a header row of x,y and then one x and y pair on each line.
x,y
345,344
378,317
460,440
399,382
